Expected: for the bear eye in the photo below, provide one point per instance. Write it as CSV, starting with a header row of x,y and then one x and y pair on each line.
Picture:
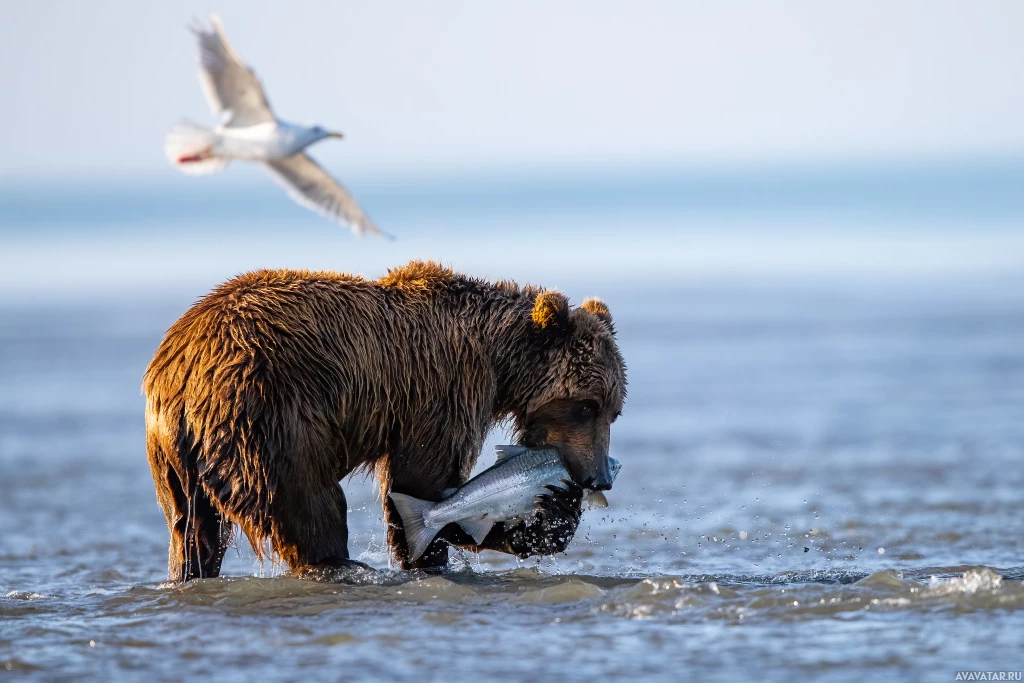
x,y
585,410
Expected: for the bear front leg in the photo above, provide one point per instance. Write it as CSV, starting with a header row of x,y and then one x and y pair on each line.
x,y
401,478
310,532
548,533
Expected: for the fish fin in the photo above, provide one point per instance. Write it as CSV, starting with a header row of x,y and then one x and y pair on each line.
x,y
596,499
506,452
447,493
477,528
417,534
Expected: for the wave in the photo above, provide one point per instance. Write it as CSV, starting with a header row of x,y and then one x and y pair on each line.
x,y
785,596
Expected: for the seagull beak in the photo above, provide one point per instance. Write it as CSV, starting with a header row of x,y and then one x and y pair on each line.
x,y
333,134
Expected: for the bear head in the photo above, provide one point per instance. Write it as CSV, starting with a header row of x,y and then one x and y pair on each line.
x,y
581,390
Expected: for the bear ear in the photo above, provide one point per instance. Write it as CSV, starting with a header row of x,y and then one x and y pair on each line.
x,y
551,310
600,309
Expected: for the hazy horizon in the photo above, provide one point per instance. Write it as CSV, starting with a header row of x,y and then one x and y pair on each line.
x,y
960,226
576,142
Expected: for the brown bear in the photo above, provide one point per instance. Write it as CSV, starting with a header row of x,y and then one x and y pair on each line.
x,y
278,384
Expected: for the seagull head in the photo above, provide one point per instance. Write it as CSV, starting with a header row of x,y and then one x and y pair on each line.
x,y
321,133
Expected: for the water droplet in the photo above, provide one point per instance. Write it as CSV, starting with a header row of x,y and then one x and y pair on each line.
x,y
881,551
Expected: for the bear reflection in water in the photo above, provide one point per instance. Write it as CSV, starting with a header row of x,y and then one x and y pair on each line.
x,y
278,384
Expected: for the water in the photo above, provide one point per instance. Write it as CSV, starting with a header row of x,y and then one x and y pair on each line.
x,y
821,479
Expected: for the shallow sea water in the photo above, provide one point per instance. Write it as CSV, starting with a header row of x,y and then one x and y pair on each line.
x,y
817,482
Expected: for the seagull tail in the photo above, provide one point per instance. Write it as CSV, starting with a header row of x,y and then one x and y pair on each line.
x,y
189,148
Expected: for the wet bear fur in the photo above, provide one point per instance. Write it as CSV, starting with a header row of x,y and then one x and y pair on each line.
x,y
278,384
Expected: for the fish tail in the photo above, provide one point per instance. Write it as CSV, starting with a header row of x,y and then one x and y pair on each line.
x,y
417,534
189,147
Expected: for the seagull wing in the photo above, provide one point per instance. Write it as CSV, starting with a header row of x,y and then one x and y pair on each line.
x,y
232,89
310,185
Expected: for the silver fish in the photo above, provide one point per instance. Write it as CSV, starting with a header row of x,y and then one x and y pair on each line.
x,y
503,492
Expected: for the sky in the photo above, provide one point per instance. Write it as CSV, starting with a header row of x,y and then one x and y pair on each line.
x,y
440,87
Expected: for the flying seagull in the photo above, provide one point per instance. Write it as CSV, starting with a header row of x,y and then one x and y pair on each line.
x,y
249,131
